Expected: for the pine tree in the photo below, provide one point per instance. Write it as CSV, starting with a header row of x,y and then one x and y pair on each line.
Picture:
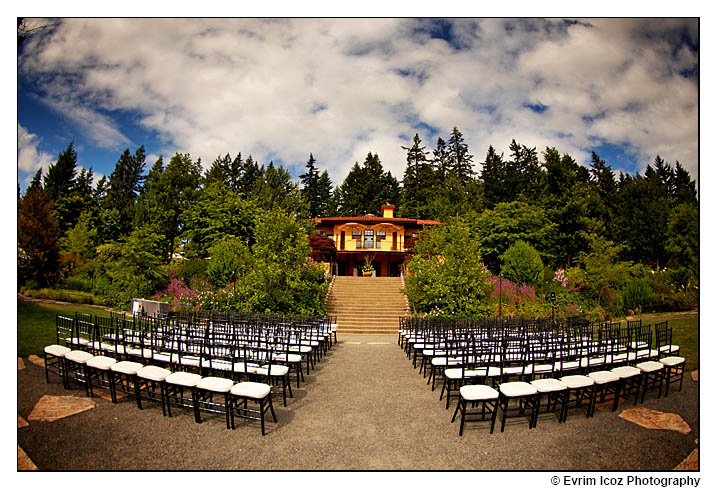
x,y
324,192
125,185
459,158
418,182
310,188
493,175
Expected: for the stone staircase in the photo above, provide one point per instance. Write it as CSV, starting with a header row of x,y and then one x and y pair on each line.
x,y
367,305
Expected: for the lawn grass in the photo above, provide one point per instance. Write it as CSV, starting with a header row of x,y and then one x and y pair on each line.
x,y
685,333
36,323
36,327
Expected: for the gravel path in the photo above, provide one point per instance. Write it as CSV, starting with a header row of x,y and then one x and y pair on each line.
x,y
363,408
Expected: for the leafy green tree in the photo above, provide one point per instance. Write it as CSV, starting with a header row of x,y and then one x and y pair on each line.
x,y
82,239
522,264
495,230
276,189
446,274
217,212
132,267
603,270
230,259
168,192
37,240
683,245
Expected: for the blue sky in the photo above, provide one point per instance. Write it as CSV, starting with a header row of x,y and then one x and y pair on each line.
x,y
340,88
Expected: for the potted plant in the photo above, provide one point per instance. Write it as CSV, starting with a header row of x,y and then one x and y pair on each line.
x,y
368,268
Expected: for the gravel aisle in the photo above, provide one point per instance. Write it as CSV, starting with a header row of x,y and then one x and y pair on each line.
x,y
363,408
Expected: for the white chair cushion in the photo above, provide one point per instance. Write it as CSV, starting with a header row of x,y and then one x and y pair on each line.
x,y
126,367
576,381
57,350
249,389
153,373
603,377
276,370
453,373
626,371
478,393
183,379
548,385
649,366
101,362
78,356
517,388
212,383
673,361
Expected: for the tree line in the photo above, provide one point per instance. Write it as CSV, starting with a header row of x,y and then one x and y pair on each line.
x,y
545,199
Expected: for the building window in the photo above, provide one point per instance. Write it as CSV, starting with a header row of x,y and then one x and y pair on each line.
x,y
368,238
380,235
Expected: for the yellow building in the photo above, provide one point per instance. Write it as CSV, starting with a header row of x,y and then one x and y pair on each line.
x,y
381,238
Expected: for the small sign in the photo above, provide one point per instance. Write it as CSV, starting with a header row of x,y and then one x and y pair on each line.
x,y
553,295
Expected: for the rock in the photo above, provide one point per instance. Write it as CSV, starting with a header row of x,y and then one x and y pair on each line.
x,y
36,360
21,422
653,419
694,375
20,364
690,463
51,408
24,463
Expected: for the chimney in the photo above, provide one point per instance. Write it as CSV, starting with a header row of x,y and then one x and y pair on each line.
x,y
387,210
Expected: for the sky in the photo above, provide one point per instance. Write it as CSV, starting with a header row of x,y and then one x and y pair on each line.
x,y
281,88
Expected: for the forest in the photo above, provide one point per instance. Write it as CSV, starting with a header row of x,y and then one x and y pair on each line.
x,y
528,226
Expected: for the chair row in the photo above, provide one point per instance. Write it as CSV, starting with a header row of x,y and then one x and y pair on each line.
x,y
515,367
161,359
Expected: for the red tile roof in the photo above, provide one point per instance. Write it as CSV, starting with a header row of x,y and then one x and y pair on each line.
x,y
377,219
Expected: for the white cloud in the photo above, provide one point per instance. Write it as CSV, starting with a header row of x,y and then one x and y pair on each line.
x,y
341,88
29,158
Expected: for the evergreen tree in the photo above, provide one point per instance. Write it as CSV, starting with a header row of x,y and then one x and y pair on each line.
x,y
441,161
124,187
36,182
324,192
310,188
493,175
366,188
168,192
459,158
61,175
249,174
684,189
419,181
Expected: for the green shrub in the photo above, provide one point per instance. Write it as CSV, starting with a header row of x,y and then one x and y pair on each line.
x,y
78,284
522,264
65,295
639,296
